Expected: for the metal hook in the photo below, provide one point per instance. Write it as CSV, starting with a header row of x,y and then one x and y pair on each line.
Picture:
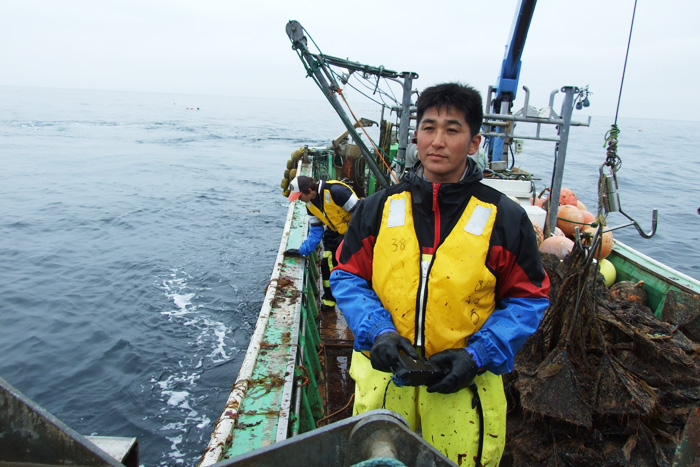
x,y
654,219
611,203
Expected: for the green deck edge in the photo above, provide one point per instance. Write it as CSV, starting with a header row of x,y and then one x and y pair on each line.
x,y
280,402
659,279
281,397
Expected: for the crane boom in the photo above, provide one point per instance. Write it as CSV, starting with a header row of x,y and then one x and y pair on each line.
x,y
507,82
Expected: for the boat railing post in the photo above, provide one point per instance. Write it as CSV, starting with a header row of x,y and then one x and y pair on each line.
x,y
551,98
405,116
526,104
567,108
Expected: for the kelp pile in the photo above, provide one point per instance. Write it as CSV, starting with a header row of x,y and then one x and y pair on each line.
x,y
602,382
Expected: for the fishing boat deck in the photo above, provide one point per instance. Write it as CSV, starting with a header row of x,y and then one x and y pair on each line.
x,y
337,388
294,377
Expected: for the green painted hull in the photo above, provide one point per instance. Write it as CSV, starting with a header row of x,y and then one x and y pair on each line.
x,y
276,395
659,279
282,389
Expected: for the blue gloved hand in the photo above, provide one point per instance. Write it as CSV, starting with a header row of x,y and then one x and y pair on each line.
x,y
461,370
292,252
385,351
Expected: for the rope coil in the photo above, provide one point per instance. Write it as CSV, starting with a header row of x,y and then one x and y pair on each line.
x,y
612,160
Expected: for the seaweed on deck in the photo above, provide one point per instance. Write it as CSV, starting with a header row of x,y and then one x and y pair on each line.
x,y
602,381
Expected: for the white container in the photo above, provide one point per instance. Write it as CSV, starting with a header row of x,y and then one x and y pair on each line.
x,y
536,214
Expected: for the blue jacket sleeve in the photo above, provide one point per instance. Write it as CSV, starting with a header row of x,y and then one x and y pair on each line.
x,y
312,240
505,332
361,307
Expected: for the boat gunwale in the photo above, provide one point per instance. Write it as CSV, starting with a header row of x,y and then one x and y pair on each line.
x,y
654,267
225,424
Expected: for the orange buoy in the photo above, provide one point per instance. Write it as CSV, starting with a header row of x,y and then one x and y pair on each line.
x,y
588,216
606,243
580,205
566,196
556,245
568,218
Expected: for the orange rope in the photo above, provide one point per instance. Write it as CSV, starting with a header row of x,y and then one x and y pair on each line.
x,y
340,91
304,379
318,423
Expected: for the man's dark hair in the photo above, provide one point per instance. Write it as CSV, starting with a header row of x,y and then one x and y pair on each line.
x,y
307,183
460,97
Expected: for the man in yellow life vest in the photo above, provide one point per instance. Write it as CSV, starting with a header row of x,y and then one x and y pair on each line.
x,y
444,268
330,205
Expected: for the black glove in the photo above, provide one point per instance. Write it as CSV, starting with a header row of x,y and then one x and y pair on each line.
x,y
292,252
385,351
462,370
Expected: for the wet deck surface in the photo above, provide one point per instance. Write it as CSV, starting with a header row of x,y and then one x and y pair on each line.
x,y
337,388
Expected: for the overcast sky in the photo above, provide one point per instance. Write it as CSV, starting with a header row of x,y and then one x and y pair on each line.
x,y
236,48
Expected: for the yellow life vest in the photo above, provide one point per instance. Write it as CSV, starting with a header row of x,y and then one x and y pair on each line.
x,y
334,216
459,291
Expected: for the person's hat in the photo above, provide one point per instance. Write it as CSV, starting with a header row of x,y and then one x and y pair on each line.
x,y
298,186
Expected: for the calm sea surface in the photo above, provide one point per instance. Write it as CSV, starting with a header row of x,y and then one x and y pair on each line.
x,y
138,233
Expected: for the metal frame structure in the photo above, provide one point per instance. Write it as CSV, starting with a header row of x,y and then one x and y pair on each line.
x,y
317,66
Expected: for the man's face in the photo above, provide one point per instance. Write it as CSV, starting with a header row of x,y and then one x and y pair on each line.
x,y
444,141
307,196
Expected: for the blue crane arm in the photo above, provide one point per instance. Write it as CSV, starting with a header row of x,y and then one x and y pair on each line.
x,y
507,84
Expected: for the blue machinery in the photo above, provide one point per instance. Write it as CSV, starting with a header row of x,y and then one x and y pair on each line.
x,y
507,84
499,123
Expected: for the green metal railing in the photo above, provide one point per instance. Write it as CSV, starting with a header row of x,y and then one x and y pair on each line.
x,y
276,394
308,373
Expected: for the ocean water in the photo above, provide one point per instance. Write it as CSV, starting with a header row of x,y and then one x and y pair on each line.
x,y
138,233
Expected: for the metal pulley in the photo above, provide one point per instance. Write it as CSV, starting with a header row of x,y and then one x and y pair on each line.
x,y
608,198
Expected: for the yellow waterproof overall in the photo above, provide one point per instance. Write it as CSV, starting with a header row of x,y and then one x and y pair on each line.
x,y
336,219
334,216
460,298
447,421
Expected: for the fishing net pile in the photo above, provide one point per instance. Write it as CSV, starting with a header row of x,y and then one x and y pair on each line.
x,y
602,382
